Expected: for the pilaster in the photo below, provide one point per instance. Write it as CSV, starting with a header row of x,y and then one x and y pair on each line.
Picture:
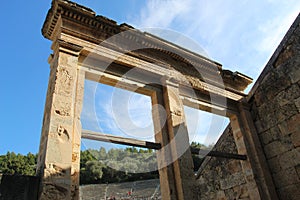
x,y
258,177
58,162
179,141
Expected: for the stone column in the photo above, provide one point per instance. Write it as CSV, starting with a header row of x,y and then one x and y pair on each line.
x,y
259,180
58,161
164,157
182,163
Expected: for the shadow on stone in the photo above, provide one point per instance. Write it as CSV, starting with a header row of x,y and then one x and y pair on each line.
x,y
19,187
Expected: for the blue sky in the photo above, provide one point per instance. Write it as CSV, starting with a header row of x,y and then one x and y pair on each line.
x,y
241,35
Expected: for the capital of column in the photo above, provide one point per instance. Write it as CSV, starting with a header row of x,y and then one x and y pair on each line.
x,y
66,47
169,81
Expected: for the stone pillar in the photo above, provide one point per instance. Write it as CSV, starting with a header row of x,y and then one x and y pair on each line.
x,y
182,163
164,157
58,161
259,180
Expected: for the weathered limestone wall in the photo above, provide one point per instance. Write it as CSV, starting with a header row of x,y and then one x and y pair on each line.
x,y
275,108
222,178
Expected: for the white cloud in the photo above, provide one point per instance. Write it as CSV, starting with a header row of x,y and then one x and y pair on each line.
x,y
241,35
163,12
204,127
279,26
117,111
88,114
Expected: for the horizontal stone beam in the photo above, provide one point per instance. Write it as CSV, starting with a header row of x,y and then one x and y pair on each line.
x,y
92,135
219,154
87,134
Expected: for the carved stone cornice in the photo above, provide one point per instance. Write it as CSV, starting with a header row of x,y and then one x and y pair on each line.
x,y
81,22
82,15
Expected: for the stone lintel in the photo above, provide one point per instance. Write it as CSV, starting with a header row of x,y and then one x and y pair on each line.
x,y
153,70
83,23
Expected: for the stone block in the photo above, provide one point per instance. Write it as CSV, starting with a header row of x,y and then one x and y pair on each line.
x,y
286,177
232,180
270,135
264,110
290,192
285,112
260,127
287,95
266,80
279,84
229,194
259,97
274,164
284,57
294,74
289,159
291,125
242,192
234,166
295,137
274,149
268,119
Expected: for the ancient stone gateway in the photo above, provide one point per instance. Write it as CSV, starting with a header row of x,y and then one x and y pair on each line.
x,y
87,46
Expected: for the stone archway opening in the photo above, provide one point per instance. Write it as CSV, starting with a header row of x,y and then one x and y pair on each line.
x,y
123,170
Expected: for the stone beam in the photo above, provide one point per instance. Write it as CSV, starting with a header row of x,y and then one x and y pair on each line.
x,y
92,135
99,58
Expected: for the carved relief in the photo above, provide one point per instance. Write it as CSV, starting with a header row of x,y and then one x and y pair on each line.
x,y
64,82
175,104
54,171
62,108
63,134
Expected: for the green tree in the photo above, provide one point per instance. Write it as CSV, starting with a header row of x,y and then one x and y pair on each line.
x,y
196,159
92,172
102,153
12,163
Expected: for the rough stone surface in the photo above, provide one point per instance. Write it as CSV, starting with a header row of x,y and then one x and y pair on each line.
x,y
58,162
19,187
222,178
275,109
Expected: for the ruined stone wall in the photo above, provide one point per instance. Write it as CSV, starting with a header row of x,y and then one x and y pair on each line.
x,y
221,178
275,109
19,187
